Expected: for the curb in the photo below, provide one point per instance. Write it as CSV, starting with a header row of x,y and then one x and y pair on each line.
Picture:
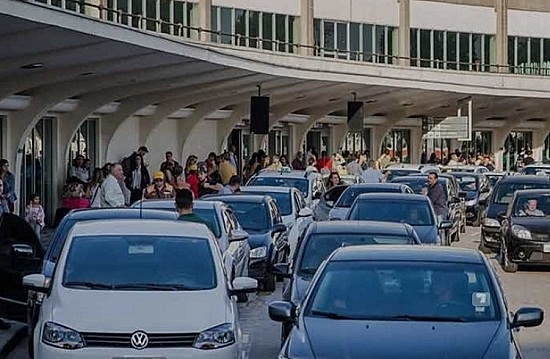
x,y
12,343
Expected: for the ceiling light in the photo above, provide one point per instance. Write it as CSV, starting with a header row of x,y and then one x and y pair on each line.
x,y
86,74
34,65
407,104
332,100
300,97
371,100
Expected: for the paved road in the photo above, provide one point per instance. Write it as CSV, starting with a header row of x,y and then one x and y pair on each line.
x,y
525,288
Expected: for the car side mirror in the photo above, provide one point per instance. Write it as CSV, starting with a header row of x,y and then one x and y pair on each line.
x,y
462,195
243,285
445,225
36,282
278,228
238,235
281,270
527,317
305,212
282,311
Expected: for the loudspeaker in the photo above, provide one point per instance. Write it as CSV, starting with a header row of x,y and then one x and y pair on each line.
x,y
355,116
259,115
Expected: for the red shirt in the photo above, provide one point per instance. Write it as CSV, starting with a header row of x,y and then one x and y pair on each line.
x,y
75,203
193,182
323,162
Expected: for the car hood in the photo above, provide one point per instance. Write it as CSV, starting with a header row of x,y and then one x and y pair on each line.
x,y
534,224
338,213
258,239
128,311
353,339
427,234
301,284
495,208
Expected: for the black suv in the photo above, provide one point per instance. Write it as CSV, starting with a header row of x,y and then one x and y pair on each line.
x,y
501,196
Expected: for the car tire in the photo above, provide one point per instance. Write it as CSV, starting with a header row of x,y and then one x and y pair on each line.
x,y
477,221
270,283
507,265
482,247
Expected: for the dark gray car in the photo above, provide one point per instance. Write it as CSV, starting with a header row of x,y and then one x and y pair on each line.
x,y
403,303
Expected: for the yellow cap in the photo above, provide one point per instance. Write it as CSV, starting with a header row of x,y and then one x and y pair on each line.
x,y
158,175
193,167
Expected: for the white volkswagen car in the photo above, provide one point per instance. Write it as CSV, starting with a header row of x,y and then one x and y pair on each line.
x,y
139,289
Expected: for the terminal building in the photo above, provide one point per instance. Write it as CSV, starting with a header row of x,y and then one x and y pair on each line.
x,y
102,77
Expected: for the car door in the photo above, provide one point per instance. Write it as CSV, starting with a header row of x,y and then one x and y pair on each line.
x,y
230,255
20,254
300,203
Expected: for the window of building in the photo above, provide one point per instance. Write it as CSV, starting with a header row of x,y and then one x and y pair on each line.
x,y
397,142
481,144
380,44
328,38
439,49
514,147
267,31
425,48
354,40
414,47
240,28
253,28
452,50
358,141
477,52
368,42
342,40
464,52
84,142
226,25
317,36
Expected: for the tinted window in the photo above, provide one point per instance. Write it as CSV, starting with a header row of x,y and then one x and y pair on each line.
x,y
423,291
415,213
415,184
252,216
320,246
505,191
211,216
130,262
468,183
300,184
282,200
349,196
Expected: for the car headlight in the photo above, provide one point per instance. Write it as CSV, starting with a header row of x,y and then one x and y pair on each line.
x,y
521,232
61,337
471,202
491,222
215,338
259,252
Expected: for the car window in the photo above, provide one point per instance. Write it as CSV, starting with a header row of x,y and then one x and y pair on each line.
x,y
283,200
320,245
253,216
468,183
275,213
297,202
139,262
415,213
301,184
210,215
415,184
505,191
423,291
536,205
348,197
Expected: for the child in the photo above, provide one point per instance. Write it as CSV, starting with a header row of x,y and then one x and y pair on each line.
x,y
34,214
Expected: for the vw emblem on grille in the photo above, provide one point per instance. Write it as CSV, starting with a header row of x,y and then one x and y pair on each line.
x,y
139,340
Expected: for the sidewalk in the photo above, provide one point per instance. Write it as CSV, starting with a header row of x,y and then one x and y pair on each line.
x,y
11,337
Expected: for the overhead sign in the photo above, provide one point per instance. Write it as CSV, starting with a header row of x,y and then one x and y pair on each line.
x,y
450,128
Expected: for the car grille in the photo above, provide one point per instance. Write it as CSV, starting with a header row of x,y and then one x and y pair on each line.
x,y
122,340
540,237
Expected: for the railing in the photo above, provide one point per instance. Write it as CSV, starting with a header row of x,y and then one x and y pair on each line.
x,y
158,25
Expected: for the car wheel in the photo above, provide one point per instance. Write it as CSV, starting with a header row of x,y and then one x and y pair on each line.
x,y
482,247
507,265
270,283
476,221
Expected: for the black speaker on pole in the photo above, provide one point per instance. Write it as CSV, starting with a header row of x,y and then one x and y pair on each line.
x,y
355,115
259,115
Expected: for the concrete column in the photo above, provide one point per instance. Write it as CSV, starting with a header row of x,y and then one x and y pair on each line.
x,y
337,135
499,139
501,9
205,19
538,143
306,27
415,147
404,41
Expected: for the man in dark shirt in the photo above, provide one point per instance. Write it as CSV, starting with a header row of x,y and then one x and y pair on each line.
x,y
438,196
184,205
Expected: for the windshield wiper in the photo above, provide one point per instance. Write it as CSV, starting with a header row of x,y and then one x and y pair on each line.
x,y
331,315
425,318
152,286
90,285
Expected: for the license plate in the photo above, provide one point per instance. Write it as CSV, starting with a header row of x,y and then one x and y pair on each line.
x,y
546,248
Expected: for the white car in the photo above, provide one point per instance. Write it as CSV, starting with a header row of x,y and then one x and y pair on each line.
x,y
139,289
295,213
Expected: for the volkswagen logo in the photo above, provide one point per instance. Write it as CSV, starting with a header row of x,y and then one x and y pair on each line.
x,y
139,340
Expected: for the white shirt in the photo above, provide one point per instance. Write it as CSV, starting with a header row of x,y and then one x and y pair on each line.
x,y
96,196
111,193
354,168
371,175
136,178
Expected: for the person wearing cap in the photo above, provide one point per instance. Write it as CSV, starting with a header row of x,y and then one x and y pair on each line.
x,y
129,163
159,188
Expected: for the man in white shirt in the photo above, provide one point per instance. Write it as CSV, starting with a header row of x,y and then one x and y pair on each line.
x,y
372,174
111,192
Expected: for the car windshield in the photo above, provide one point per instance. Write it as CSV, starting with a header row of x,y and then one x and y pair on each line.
x,y
320,245
536,205
399,172
493,180
252,216
415,213
505,191
281,198
468,183
404,291
282,181
414,183
348,197
139,262
210,216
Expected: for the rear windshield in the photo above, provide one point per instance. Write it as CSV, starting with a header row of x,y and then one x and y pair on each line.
x,y
415,213
298,183
349,196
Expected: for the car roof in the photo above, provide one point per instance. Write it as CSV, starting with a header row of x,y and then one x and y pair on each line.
x,y
531,192
525,179
169,203
465,174
140,227
239,197
293,174
407,253
336,227
264,189
538,165
389,196
377,185
118,213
